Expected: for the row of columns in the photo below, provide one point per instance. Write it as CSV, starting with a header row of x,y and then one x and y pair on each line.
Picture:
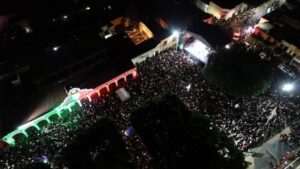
x,y
97,90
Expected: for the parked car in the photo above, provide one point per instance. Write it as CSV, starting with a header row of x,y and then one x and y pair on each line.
x,y
285,69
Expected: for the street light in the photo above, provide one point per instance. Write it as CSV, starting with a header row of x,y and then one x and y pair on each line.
x,y
227,46
65,17
87,8
55,48
288,87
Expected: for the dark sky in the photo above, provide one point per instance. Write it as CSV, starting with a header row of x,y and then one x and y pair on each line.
x,y
18,48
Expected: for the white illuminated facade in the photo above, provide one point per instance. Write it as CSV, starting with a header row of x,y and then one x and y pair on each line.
x,y
198,50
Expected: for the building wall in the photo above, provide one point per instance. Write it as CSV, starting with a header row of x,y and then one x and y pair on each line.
x,y
220,12
290,49
167,43
215,10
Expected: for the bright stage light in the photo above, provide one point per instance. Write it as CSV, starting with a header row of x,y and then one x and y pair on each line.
x,y
288,87
198,50
227,46
176,33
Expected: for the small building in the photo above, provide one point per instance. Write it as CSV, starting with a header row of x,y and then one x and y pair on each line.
x,y
277,150
226,9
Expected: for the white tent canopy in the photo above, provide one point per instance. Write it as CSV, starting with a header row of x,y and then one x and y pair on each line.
x,y
123,94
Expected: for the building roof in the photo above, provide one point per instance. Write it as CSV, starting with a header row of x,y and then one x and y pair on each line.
x,y
176,13
230,4
211,33
262,163
286,25
277,149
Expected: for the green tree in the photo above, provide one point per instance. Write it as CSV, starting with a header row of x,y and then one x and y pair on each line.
x,y
104,140
178,138
239,71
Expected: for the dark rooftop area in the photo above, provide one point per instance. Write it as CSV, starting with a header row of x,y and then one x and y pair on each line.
x,y
211,33
229,4
286,24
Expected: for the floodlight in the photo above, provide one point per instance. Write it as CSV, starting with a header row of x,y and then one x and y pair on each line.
x,y
55,48
175,33
87,8
288,87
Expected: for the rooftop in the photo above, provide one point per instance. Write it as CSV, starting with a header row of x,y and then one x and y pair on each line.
x,y
211,33
230,4
286,25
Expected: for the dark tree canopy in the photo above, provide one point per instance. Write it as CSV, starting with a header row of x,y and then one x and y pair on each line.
x,y
104,140
239,71
178,138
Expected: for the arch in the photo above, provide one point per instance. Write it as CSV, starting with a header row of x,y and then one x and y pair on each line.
x,y
53,117
75,106
125,78
19,137
112,87
107,88
129,76
42,123
104,91
32,129
121,82
84,101
94,96
89,98
64,112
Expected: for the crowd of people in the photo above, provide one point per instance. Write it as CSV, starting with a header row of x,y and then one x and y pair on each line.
x,y
249,121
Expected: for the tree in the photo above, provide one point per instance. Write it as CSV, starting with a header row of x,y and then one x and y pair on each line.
x,y
178,138
98,147
239,71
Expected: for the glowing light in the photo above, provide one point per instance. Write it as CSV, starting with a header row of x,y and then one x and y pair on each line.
x,y
181,46
176,33
67,104
236,34
45,160
288,87
188,87
87,8
65,17
55,48
28,29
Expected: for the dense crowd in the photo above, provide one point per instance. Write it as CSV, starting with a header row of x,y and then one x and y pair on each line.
x,y
248,121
